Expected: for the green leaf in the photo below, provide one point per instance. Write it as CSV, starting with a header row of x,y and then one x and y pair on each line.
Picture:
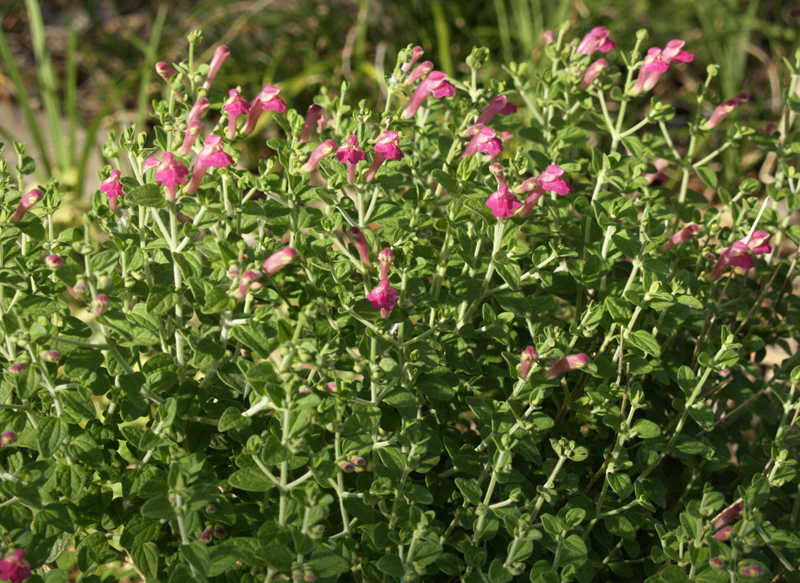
x,y
439,385
674,574
217,300
232,419
620,526
160,301
145,557
328,564
621,484
222,558
34,306
470,489
703,415
251,480
708,176
686,380
138,531
391,565
157,508
574,550
510,272
196,555
645,429
498,573
644,341
148,195
50,434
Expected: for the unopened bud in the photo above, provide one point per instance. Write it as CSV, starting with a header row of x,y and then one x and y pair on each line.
x,y
385,258
99,304
724,533
165,71
50,356
731,513
528,357
233,272
211,509
279,260
8,438
17,368
716,563
359,462
54,261
330,387
497,171
751,571
360,241
26,203
347,467
207,534
219,531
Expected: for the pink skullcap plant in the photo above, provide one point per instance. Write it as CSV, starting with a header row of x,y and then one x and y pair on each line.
x,y
165,71
660,164
169,172
738,254
383,297
210,155
50,356
485,140
526,360
497,105
716,563
360,241
54,261
435,83
724,533
723,109
419,72
350,154
385,258
315,112
8,438
26,203
416,53
220,56
235,106
279,260
246,282
99,304
15,567
113,188
320,152
684,234
596,40
267,100
198,110
193,130
593,72
503,202
657,62
731,513
17,368
751,571
386,148
566,364
549,180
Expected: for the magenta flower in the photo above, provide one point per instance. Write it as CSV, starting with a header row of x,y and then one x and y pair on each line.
x,y
684,234
350,154
660,164
566,364
596,40
416,53
26,203
320,152
235,106
657,62
419,72
383,297
246,282
526,360
503,202
8,438
751,571
360,241
113,188
54,261
279,260
723,109
198,110
535,192
593,72
210,155
497,105
484,139
716,563
190,137
15,567
267,100
551,180
169,172
724,533
737,255
731,513
165,71
385,258
50,356
387,148
313,116
220,56
17,368
434,83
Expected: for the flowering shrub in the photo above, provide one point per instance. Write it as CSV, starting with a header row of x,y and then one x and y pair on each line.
x,y
483,341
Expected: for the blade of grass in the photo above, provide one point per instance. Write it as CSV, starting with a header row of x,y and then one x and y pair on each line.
x,y
442,36
147,69
526,33
503,29
71,96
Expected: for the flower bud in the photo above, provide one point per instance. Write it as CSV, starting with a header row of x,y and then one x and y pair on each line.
x,y
330,387
731,513
313,116
279,260
26,203
8,438
385,258
529,356
17,368
751,571
360,241
99,304
207,534
359,462
210,509
50,356
716,563
497,171
347,467
219,531
724,533
53,261
165,71
220,56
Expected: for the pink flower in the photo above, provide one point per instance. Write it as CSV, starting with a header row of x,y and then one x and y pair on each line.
x,y
165,71
17,368
737,255
484,139
169,172
593,72
725,533
113,188
8,438
683,235
350,154
596,40
723,109
320,152
503,202
660,164
419,72
312,118
566,364
99,304
235,106
220,56
385,258
435,83
54,261
551,180
536,192
50,356
360,241
716,563
267,100
497,105
15,567
657,62
198,110
26,203
548,37
731,513
751,571
210,155
279,260
383,297
387,148
206,535
190,137
246,282
416,53
526,360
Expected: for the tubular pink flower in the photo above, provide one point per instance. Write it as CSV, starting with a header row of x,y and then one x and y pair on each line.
x,y
360,241
26,203
531,200
198,110
79,290
387,148
350,154
15,567
725,533
190,137
169,172
657,62
758,242
17,368
551,180
383,297
723,109
484,140
235,106
267,100
684,234
503,203
246,282
279,260
8,438
385,258
165,71
54,261
416,53
419,72
113,188
593,72
313,116
210,155
436,83
751,571
566,364
660,164
526,360
220,56
737,255
596,40
731,513
320,152
99,304
497,105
